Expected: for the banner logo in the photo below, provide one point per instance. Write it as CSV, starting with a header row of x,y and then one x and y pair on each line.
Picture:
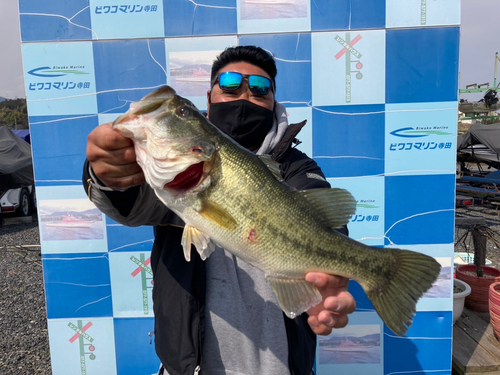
x,y
47,71
420,132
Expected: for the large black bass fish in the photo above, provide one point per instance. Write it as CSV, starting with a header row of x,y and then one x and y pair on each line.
x,y
229,197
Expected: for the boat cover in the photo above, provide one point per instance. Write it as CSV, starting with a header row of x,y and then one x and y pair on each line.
x,y
488,135
16,167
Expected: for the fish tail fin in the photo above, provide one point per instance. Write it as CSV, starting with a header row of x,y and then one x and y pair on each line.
x,y
395,300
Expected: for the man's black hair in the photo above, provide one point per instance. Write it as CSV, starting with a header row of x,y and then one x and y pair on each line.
x,y
250,54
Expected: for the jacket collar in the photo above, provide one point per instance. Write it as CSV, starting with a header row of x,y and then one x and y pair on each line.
x,y
286,141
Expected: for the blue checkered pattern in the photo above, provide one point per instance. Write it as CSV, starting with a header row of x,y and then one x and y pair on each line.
x,y
377,81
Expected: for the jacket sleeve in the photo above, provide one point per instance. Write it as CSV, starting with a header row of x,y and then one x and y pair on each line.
x,y
303,173
133,207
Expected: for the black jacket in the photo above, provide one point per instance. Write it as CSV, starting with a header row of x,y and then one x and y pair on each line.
x,y
179,321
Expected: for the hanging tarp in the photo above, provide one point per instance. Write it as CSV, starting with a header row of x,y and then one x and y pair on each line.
x,y
16,168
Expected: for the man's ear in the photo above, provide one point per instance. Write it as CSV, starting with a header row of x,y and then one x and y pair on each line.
x,y
208,101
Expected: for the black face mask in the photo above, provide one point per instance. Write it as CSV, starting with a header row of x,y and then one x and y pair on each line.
x,y
247,123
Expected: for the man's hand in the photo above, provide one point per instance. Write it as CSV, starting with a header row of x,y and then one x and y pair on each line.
x,y
337,303
112,158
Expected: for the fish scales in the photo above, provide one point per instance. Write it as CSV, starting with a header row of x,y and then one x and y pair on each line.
x,y
298,233
264,191
229,197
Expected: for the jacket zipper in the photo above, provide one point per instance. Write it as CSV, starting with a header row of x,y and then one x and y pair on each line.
x,y
197,369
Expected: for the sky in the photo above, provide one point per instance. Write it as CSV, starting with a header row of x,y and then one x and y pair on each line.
x,y
478,43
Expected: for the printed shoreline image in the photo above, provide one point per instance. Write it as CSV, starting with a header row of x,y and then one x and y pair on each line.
x,y
70,219
190,71
269,9
355,344
442,286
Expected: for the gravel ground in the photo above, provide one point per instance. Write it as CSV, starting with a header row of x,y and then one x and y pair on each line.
x,y
23,325
24,348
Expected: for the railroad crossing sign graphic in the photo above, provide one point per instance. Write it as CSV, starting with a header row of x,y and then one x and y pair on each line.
x,y
81,335
144,270
423,12
348,50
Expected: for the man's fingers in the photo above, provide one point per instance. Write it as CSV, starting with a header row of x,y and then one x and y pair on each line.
x,y
106,170
320,328
119,176
113,158
332,320
343,303
105,137
125,182
317,327
322,280
325,322
336,305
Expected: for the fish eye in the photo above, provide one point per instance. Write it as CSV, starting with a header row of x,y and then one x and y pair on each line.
x,y
183,111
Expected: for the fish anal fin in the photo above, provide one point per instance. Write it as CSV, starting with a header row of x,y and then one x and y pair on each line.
x,y
295,296
336,205
217,214
202,243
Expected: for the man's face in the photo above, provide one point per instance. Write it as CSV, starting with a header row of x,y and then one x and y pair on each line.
x,y
243,92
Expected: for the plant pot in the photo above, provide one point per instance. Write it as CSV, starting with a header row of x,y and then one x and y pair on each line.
x,y
494,300
478,298
459,298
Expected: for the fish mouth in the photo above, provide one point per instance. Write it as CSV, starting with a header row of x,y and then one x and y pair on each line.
x,y
187,179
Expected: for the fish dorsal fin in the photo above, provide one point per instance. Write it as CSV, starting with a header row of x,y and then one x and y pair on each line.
x,y
272,165
162,93
217,214
335,205
294,295
202,242
152,101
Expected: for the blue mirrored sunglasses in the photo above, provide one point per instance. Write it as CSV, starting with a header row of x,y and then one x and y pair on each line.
x,y
231,81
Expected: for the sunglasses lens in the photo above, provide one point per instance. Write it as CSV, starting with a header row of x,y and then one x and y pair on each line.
x,y
259,85
230,81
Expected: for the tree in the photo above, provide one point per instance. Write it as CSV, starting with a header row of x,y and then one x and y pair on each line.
x,y
14,113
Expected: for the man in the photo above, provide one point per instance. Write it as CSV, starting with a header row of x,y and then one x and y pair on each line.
x,y
220,316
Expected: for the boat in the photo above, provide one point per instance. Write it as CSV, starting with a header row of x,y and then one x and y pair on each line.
x,y
481,143
349,346
482,153
489,103
69,221
477,107
198,75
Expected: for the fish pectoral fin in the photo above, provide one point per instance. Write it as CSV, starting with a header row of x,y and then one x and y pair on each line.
x,y
217,214
295,296
202,243
272,165
336,205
